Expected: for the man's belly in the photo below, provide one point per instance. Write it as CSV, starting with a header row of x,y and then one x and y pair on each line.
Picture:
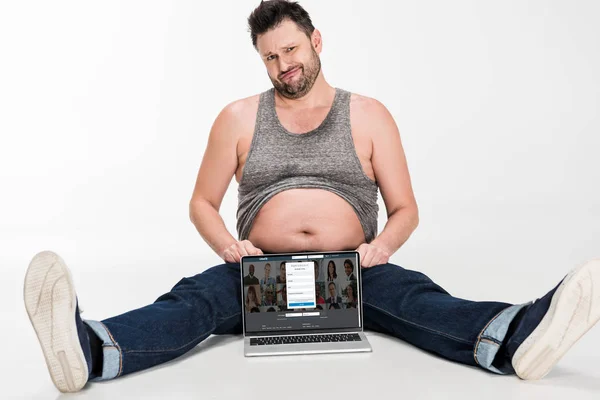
x,y
306,219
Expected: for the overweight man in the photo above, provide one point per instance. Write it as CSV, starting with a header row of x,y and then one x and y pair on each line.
x,y
309,159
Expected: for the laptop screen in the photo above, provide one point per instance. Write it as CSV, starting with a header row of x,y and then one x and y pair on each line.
x,y
301,293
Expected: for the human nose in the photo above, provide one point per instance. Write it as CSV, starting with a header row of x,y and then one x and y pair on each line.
x,y
285,65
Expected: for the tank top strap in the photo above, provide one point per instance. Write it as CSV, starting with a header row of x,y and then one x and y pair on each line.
x,y
340,113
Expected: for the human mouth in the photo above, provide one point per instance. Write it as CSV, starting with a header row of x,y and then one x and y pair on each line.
x,y
290,73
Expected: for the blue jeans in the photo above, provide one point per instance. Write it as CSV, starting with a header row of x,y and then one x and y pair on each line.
x,y
399,302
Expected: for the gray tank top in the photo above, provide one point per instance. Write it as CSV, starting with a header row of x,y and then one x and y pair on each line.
x,y
323,158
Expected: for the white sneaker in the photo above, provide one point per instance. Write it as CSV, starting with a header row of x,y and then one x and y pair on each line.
x,y
557,321
51,304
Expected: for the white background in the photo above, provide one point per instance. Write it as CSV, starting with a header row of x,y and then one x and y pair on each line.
x,y
105,110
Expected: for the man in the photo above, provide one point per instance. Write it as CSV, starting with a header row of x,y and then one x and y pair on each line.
x,y
318,158
268,279
333,296
281,276
250,279
348,268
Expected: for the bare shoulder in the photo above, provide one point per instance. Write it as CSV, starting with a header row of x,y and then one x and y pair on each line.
x,y
371,121
368,109
241,112
236,121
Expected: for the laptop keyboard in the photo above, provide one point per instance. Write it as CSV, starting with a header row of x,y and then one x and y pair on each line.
x,y
338,337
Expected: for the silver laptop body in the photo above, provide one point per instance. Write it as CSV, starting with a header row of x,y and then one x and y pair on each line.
x,y
302,303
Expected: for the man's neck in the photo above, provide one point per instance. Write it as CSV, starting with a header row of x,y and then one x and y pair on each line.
x,y
320,95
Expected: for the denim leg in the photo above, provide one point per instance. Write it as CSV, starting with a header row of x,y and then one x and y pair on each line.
x,y
196,307
410,306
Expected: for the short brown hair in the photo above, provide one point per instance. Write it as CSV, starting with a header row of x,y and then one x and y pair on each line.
x,y
270,14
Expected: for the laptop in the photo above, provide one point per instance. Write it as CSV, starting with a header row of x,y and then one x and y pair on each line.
x,y
302,303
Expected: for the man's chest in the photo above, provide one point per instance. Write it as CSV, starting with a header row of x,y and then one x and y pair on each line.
x,y
361,137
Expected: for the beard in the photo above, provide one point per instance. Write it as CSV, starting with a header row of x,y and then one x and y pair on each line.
x,y
299,86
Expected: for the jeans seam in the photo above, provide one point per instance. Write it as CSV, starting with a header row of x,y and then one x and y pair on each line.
x,y
118,348
479,337
417,325
180,347
491,341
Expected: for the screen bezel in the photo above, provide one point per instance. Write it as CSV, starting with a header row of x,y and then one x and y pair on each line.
x,y
342,253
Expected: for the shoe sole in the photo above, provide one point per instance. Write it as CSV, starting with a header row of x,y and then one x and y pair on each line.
x,y
574,309
50,300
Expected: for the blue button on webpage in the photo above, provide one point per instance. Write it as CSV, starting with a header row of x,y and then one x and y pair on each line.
x,y
311,304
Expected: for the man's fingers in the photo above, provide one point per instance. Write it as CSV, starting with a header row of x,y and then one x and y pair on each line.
x,y
229,256
251,249
235,252
367,262
242,249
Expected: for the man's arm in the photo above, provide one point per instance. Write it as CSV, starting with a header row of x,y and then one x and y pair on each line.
x,y
218,166
391,172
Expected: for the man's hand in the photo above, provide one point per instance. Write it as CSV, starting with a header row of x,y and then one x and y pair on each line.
x,y
234,253
371,255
